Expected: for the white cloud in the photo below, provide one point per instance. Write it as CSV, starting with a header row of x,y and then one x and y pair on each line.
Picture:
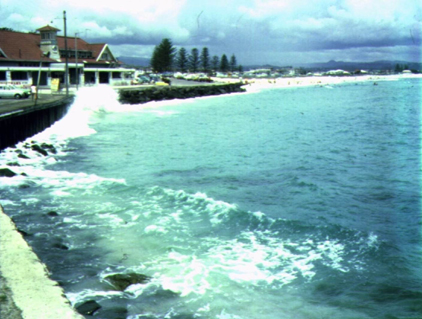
x,y
16,17
252,28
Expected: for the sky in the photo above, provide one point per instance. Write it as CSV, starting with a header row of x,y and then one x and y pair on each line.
x,y
277,32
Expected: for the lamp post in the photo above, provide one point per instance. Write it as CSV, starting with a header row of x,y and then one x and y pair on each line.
x,y
76,60
39,76
38,81
66,77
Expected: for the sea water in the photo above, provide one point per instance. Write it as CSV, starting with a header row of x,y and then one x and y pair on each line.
x,y
277,203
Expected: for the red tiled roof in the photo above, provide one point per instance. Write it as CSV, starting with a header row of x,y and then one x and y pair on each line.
x,y
48,28
19,46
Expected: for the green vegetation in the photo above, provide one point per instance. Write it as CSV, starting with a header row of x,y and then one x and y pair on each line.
x,y
163,56
205,60
167,58
233,63
224,63
194,60
400,68
215,62
182,60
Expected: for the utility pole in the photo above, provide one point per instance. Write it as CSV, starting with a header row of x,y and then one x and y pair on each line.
x,y
76,60
66,77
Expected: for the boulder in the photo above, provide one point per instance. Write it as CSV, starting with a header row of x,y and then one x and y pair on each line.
x,y
23,156
60,246
146,94
88,308
121,281
52,214
39,149
58,243
13,164
23,233
49,147
6,172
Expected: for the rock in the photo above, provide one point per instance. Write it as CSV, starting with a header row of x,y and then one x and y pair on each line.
x,y
113,313
52,214
23,156
60,246
135,96
58,243
13,164
88,308
121,281
23,233
49,147
38,149
6,172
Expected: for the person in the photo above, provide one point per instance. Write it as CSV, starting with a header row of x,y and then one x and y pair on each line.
x,y
34,92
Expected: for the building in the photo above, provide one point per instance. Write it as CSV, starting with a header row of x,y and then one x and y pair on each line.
x,y
23,56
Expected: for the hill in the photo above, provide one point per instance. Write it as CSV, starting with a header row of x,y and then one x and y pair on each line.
x,y
135,61
348,66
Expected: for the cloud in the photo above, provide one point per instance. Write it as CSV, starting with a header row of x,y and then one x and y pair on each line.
x,y
270,30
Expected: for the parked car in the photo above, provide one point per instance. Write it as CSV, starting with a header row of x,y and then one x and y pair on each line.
x,y
11,91
141,79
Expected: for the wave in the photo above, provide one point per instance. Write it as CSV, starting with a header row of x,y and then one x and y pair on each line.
x,y
197,250
234,246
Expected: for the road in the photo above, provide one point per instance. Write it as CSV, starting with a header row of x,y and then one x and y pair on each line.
x,y
10,106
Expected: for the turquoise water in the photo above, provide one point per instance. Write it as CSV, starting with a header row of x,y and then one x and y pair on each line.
x,y
281,203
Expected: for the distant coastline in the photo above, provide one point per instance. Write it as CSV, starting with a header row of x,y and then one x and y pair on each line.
x,y
289,82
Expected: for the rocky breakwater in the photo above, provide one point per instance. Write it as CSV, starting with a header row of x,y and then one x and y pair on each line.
x,y
159,93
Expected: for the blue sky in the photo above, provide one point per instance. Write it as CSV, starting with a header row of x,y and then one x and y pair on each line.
x,y
281,32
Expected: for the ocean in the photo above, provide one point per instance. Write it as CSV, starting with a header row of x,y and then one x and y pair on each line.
x,y
282,203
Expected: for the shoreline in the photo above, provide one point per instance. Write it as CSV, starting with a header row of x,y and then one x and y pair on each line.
x,y
306,81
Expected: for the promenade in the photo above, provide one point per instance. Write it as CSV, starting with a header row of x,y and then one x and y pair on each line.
x,y
12,106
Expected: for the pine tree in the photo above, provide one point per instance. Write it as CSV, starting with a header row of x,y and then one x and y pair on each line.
x,y
224,63
163,56
215,63
205,60
182,60
233,63
194,60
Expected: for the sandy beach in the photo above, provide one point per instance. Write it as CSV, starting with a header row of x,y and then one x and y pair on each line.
x,y
264,83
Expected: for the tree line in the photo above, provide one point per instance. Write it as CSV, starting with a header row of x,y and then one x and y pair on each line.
x,y
167,58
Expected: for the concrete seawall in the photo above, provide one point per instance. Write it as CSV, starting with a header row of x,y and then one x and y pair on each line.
x,y
23,120
26,291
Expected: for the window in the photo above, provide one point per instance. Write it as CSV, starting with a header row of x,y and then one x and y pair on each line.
x,y
2,75
116,75
19,75
81,54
